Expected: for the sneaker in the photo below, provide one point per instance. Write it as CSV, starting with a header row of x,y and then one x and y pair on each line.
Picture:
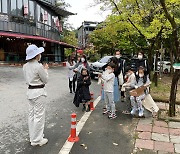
x,y
41,143
112,116
106,112
141,112
133,112
104,108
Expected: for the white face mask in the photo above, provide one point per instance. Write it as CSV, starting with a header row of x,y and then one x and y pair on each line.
x,y
109,70
140,56
82,60
141,75
128,74
118,56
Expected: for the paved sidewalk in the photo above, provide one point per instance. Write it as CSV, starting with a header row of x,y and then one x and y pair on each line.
x,y
155,136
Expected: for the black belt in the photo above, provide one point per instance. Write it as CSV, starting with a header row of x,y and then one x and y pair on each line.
x,y
36,87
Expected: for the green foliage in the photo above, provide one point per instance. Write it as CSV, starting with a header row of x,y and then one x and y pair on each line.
x,y
69,38
133,25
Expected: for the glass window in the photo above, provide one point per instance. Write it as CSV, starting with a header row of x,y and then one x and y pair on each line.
x,y
25,2
19,8
0,6
49,19
4,4
38,11
31,9
105,59
13,7
25,8
41,15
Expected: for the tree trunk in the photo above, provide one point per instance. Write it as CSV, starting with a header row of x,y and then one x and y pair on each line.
x,y
155,77
171,60
172,102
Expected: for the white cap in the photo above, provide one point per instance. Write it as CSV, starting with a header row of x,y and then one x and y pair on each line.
x,y
32,51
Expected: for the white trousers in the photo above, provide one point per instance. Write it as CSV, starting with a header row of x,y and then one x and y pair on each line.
x,y
136,102
36,118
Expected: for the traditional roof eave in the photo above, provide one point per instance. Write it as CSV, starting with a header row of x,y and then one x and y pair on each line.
x,y
32,37
59,11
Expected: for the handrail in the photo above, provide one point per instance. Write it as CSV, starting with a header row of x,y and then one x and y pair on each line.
x,y
38,29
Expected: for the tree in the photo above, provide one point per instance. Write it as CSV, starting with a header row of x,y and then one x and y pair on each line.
x,y
171,19
70,38
146,24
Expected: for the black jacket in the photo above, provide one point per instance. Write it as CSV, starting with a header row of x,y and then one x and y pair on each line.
x,y
144,63
82,91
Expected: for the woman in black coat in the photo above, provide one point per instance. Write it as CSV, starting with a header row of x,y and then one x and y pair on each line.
x,y
82,92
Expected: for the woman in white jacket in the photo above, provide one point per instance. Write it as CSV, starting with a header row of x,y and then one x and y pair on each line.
x,y
36,77
71,74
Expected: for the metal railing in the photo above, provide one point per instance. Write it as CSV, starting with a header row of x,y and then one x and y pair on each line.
x,y
37,29
52,2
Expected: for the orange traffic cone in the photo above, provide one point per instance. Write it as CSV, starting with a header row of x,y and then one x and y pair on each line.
x,y
73,137
91,103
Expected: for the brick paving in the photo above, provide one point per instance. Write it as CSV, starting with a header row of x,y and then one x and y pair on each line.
x,y
158,136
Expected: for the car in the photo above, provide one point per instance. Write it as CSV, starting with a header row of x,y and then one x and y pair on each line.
x,y
99,66
166,66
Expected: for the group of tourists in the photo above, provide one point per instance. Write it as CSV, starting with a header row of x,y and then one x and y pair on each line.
x,y
117,80
128,78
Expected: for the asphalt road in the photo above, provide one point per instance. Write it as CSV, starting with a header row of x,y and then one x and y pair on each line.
x,y
14,137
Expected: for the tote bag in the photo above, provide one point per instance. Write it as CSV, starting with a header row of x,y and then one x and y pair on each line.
x,y
149,104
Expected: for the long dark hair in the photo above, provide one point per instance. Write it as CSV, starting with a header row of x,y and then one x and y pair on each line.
x,y
84,56
144,77
114,60
70,59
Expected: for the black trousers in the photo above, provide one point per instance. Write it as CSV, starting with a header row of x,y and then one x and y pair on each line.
x,y
72,84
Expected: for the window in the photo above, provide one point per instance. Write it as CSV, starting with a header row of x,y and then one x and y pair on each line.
x,y
0,6
13,7
4,8
26,2
49,19
38,10
31,9
20,8
42,15
25,8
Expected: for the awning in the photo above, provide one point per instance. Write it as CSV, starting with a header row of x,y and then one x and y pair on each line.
x,y
31,37
57,9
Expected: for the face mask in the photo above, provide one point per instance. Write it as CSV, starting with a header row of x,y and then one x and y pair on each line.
x,y
118,56
128,74
82,60
141,75
140,56
109,70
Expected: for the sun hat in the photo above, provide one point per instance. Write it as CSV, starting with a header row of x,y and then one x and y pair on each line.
x,y
32,51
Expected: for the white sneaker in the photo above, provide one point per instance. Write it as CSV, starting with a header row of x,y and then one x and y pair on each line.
x,y
41,143
133,112
141,112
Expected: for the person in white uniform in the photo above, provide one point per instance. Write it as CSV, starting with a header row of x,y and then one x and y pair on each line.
x,y
36,77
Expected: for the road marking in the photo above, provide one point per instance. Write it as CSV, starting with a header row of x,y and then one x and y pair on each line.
x,y
68,145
